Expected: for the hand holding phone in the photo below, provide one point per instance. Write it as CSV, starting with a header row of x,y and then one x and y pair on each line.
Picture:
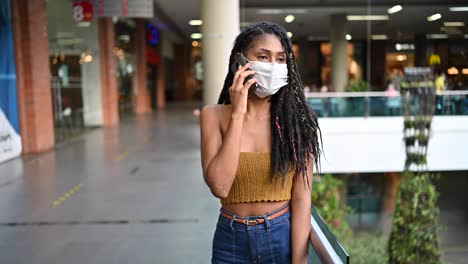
x,y
240,60
243,84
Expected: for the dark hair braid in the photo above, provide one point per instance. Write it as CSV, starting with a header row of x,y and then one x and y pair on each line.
x,y
294,126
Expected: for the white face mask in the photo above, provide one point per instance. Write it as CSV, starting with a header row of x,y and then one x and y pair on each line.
x,y
271,76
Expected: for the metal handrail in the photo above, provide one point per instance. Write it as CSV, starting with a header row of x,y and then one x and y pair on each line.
x,y
370,94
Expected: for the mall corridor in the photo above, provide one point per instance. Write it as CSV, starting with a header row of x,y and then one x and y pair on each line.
x,y
130,194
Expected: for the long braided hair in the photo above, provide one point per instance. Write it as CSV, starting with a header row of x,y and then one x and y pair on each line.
x,y
294,126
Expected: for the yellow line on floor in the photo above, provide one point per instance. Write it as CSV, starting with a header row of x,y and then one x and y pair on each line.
x,y
122,156
67,195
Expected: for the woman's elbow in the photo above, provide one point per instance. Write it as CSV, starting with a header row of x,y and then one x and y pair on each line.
x,y
219,192
216,190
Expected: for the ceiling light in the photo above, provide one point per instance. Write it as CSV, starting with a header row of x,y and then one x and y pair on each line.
x,y
454,24
451,30
434,17
289,18
395,9
404,46
452,71
465,71
348,37
195,43
379,37
366,18
281,11
196,35
459,8
290,34
437,36
195,22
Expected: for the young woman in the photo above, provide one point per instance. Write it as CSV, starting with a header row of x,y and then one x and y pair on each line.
x,y
258,148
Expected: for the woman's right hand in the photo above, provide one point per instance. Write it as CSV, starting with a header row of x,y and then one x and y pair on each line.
x,y
239,91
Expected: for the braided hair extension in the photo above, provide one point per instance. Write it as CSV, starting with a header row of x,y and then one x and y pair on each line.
x,y
295,129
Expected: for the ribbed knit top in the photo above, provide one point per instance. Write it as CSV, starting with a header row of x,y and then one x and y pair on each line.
x,y
253,181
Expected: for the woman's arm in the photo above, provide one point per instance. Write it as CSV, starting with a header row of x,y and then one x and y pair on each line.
x,y
301,205
220,156
220,153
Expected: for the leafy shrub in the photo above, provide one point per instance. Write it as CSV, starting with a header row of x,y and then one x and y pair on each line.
x,y
414,237
327,198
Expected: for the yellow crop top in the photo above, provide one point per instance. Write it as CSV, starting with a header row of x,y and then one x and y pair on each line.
x,y
253,181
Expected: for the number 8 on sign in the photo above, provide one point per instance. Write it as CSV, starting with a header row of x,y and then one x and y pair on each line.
x,y
78,13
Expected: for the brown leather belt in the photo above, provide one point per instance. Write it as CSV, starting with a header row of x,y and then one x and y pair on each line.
x,y
256,221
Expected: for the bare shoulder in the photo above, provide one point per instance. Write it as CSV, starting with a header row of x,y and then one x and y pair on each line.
x,y
216,111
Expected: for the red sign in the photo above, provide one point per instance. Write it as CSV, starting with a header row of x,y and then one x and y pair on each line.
x,y
83,11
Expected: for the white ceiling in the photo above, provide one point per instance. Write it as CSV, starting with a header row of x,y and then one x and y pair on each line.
x,y
315,19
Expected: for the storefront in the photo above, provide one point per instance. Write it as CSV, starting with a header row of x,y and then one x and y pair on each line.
x,y
74,65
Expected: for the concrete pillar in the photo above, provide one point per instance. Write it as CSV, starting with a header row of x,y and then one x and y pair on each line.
x,y
91,80
142,99
220,28
339,54
161,78
108,64
29,22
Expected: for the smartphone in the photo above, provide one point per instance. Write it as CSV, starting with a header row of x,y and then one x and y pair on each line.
x,y
240,60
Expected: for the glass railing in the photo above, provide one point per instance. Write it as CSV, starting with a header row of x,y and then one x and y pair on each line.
x,y
368,104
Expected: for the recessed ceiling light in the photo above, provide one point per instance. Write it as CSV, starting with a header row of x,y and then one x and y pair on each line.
x,y
196,35
379,37
394,9
290,34
459,8
195,22
366,18
348,37
281,11
454,24
437,36
434,17
289,18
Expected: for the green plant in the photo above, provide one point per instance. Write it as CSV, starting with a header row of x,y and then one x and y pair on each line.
x,y
359,86
414,237
366,248
327,198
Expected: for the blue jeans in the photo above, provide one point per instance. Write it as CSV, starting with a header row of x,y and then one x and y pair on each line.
x,y
269,242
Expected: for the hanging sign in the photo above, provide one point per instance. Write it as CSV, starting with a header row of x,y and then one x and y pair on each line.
x,y
83,10
124,8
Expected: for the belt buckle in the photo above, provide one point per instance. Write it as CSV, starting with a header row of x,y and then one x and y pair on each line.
x,y
251,222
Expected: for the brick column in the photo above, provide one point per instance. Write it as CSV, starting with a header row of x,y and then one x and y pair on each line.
x,y
109,89
161,79
142,99
29,21
182,71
